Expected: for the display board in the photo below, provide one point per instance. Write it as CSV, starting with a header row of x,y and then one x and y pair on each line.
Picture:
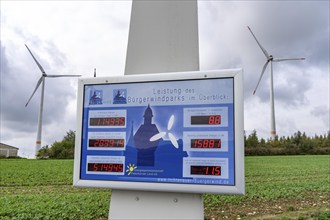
x,y
179,132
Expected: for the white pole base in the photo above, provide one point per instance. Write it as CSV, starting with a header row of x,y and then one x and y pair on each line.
x,y
155,205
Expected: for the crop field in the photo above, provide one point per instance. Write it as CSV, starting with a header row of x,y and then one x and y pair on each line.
x,y
277,187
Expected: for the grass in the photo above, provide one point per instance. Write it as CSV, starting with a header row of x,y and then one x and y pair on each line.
x,y
35,172
277,187
42,189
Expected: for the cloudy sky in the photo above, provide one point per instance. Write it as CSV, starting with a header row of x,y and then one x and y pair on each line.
x,y
74,37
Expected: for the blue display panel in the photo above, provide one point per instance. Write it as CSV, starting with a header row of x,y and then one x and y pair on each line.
x,y
159,132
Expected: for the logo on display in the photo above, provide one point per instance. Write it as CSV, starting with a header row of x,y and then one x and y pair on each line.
x,y
95,97
130,168
119,96
170,135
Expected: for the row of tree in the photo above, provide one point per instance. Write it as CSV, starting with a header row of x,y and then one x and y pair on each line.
x,y
299,143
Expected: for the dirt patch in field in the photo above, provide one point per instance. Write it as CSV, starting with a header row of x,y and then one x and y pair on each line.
x,y
304,208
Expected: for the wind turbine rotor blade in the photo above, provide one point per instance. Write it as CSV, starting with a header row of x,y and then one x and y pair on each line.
x,y
37,86
261,47
286,59
262,73
55,76
173,140
170,122
40,67
158,136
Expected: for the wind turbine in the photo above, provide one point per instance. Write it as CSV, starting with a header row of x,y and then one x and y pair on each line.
x,y
270,59
41,82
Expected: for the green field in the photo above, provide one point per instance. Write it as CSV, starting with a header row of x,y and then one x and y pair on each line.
x,y
277,187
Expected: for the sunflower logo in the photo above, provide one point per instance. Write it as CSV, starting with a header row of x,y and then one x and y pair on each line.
x,y
130,168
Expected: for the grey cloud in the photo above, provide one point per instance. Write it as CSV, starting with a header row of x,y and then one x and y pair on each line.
x,y
287,25
322,112
287,29
293,91
58,59
17,85
13,90
290,86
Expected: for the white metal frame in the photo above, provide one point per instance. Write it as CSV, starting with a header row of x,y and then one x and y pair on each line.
x,y
238,188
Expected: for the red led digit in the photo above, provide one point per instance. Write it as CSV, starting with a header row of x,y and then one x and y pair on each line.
x,y
219,143
212,143
199,143
106,167
194,143
211,120
105,142
95,168
122,121
207,170
101,142
120,168
114,167
121,143
218,170
205,143
217,120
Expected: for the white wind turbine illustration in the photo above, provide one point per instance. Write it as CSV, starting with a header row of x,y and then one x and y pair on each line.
x,y
163,133
41,82
270,59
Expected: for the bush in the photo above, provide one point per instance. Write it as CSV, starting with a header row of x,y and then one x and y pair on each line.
x,y
59,149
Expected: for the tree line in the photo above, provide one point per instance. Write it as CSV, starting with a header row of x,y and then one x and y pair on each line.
x,y
296,144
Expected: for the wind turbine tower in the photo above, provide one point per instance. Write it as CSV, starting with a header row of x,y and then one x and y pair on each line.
x,y
41,82
270,59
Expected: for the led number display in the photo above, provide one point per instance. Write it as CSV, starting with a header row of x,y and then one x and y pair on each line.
x,y
120,143
107,118
205,143
109,121
104,141
105,167
206,120
205,170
